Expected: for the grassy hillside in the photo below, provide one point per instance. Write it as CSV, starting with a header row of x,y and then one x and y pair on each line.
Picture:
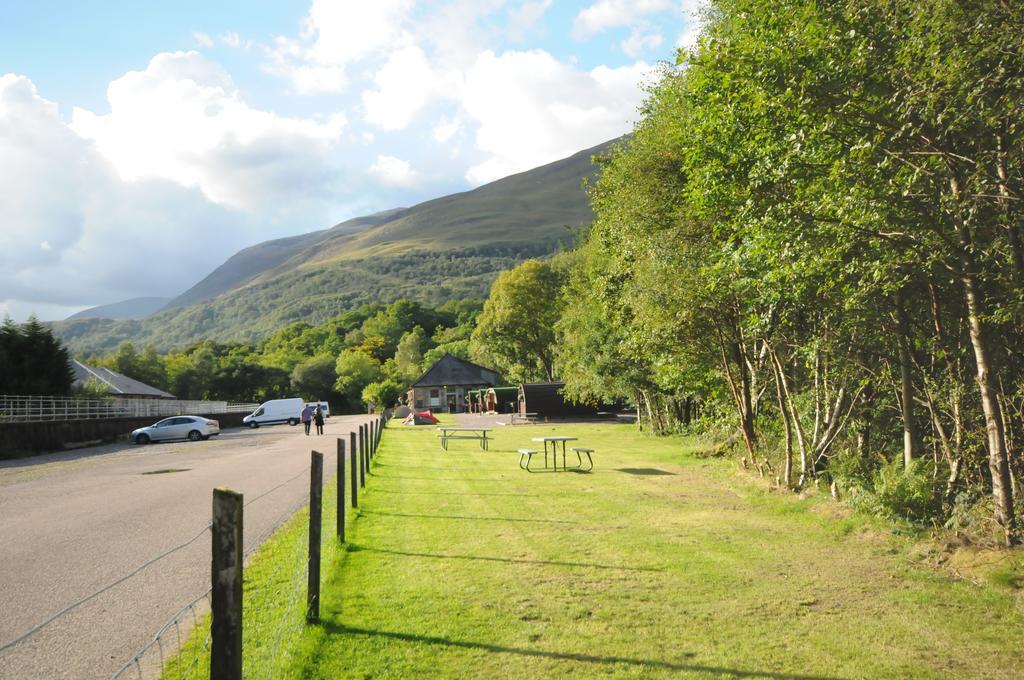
x,y
448,248
135,308
262,257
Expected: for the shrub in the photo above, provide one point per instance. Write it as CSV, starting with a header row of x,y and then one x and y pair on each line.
x,y
910,495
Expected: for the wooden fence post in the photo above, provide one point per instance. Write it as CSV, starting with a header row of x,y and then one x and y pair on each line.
x,y
340,477
316,490
355,468
373,438
226,585
362,458
369,442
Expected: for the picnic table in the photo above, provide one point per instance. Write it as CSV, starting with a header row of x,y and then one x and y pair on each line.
x,y
554,450
477,433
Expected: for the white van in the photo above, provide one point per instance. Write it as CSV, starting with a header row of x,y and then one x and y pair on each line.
x,y
325,408
275,411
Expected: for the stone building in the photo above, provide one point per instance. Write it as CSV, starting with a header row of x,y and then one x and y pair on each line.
x,y
444,386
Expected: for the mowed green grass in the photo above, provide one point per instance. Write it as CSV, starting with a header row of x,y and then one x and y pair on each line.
x,y
656,564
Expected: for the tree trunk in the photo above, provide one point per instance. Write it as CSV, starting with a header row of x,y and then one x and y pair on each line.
x,y
787,468
740,393
805,459
998,462
910,435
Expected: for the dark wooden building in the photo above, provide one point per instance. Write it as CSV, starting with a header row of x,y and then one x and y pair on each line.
x,y
546,400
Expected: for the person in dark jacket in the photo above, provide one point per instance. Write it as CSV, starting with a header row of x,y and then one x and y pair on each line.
x,y
318,418
306,417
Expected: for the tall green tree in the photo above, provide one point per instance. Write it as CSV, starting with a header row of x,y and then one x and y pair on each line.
x,y
32,360
515,333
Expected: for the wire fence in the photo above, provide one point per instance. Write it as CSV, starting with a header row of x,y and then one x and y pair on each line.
x,y
29,408
275,601
180,649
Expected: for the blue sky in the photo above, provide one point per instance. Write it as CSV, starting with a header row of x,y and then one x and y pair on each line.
x,y
131,132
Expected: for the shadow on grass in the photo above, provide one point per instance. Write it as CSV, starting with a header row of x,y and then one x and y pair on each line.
x,y
388,475
332,628
354,547
470,517
453,493
644,471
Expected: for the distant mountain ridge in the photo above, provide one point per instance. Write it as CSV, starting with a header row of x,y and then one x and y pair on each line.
x,y
254,260
135,308
446,248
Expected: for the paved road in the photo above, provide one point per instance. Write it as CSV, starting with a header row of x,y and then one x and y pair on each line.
x,y
72,523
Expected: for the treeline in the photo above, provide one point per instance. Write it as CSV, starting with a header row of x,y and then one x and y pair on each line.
x,y
815,233
33,361
359,358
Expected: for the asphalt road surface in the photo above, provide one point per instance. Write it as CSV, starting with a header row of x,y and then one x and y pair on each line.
x,y
75,522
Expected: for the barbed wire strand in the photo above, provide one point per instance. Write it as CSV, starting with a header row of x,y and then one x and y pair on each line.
x,y
71,607
255,544
275,488
173,621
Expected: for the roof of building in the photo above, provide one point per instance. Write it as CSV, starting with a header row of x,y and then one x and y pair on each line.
x,y
117,384
451,370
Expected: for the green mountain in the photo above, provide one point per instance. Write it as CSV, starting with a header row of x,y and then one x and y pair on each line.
x,y
135,308
447,248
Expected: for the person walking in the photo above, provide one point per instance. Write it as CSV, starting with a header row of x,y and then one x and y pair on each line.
x,y
318,417
306,417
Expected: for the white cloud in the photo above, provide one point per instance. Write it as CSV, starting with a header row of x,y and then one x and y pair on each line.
x,y
203,39
347,31
639,42
75,234
524,18
394,171
533,109
404,86
20,311
182,119
335,35
445,129
82,235
606,14
231,39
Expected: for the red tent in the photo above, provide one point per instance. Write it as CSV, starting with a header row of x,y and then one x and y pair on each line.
x,y
421,418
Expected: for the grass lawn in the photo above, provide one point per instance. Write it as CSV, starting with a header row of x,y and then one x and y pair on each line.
x,y
656,564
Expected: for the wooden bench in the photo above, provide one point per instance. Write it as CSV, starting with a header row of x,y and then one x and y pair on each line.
x,y
527,418
581,450
526,455
477,434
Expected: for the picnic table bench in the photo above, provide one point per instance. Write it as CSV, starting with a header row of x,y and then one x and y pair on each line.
x,y
477,433
526,455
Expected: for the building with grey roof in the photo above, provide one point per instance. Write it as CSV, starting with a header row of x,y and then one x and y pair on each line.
x,y
443,387
117,385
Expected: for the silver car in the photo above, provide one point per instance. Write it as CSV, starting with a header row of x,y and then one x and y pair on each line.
x,y
192,428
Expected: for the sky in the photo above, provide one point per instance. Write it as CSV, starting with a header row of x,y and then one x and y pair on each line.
x,y
142,144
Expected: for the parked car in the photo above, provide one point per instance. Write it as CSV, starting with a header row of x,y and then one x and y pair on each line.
x,y
192,428
275,411
325,408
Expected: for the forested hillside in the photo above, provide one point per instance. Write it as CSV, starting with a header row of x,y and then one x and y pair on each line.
x,y
450,248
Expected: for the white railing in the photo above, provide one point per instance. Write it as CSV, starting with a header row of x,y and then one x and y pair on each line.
x,y
14,408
